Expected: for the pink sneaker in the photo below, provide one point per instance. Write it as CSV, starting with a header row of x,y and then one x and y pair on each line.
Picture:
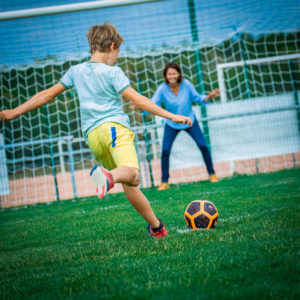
x,y
159,232
102,179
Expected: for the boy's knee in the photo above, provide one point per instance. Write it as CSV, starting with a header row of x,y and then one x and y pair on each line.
x,y
132,177
136,178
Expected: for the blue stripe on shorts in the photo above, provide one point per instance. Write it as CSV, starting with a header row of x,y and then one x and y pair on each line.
x,y
113,136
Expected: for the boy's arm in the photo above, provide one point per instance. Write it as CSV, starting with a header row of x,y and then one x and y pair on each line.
x,y
33,103
146,104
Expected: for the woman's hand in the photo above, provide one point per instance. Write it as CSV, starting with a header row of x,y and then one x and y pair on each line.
x,y
8,115
182,119
211,95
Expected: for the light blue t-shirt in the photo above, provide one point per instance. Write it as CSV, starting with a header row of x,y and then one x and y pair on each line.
x,y
180,104
98,86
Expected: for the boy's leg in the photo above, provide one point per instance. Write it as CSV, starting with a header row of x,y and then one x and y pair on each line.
x,y
105,180
139,201
126,175
129,177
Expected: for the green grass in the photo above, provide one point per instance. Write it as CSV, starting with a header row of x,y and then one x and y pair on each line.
x,y
92,249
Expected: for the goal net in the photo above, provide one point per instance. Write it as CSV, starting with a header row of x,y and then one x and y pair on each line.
x,y
253,127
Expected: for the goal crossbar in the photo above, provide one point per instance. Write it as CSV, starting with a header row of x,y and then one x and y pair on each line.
x,y
60,9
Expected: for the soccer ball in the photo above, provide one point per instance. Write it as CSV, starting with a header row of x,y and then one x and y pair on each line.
x,y
201,214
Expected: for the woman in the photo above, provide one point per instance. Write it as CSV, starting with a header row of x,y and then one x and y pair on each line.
x,y
177,95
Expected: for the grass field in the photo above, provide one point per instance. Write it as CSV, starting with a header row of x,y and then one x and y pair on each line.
x,y
92,249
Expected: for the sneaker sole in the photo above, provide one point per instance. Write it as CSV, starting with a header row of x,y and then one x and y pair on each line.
x,y
100,180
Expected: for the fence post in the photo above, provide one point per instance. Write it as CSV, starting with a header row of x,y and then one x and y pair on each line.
x,y
295,92
51,152
71,162
148,156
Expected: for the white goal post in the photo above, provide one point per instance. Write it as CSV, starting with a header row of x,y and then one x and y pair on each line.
x,y
221,67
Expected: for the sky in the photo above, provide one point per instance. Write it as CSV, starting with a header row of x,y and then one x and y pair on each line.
x,y
143,26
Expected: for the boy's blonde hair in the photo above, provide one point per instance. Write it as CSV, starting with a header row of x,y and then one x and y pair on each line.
x,y
102,36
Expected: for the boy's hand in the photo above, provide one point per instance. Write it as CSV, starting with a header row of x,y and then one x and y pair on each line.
x,y
8,115
182,119
132,105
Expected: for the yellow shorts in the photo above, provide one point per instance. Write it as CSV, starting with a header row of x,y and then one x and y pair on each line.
x,y
112,145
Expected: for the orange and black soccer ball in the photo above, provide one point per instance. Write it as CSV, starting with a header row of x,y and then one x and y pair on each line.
x,y
201,214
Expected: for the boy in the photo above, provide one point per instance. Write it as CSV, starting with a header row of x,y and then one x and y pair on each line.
x,y
105,126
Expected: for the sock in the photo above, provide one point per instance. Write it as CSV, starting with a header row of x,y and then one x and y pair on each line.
x,y
110,180
161,225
